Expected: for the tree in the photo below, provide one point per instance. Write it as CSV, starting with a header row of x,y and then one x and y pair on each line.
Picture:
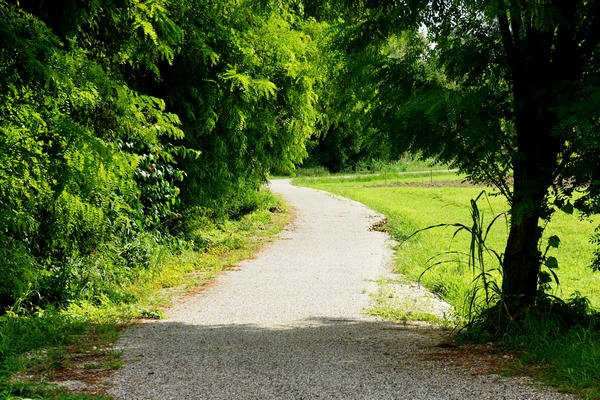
x,y
95,97
342,137
509,92
83,166
550,52
245,92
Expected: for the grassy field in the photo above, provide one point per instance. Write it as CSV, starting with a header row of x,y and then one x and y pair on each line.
x,y
410,208
567,357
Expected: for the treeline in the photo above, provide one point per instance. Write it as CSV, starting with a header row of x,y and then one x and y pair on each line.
x,y
125,122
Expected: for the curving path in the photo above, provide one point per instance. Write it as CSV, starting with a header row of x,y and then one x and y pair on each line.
x,y
288,325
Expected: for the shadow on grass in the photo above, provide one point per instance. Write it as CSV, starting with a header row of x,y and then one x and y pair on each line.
x,y
45,344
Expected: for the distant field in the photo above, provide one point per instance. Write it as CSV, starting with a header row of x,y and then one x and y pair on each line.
x,y
410,208
403,165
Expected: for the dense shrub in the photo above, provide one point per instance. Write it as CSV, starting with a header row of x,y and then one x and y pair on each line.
x,y
82,165
97,178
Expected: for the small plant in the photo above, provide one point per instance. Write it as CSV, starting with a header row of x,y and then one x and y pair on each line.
x,y
115,364
92,366
484,286
151,313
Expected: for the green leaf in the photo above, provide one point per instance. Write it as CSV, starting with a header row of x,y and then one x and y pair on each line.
x,y
551,262
554,241
567,208
545,278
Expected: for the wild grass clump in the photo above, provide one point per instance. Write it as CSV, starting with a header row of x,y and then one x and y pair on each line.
x,y
561,338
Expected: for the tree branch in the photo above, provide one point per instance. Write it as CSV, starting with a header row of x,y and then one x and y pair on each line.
x,y
589,34
515,23
500,182
507,39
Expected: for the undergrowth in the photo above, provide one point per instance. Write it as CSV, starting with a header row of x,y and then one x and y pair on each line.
x,y
39,345
558,340
374,166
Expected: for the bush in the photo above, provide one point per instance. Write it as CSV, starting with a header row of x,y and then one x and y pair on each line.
x,y
312,171
82,168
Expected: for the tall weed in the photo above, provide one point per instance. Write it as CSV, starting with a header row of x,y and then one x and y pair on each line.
x,y
485,289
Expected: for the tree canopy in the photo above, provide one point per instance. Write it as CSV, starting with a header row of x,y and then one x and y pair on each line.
x,y
506,91
118,117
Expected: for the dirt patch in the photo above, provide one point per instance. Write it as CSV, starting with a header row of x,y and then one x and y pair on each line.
x,y
480,359
452,183
83,367
380,226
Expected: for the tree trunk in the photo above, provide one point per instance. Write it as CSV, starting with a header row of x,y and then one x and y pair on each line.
x,y
533,175
521,260
545,64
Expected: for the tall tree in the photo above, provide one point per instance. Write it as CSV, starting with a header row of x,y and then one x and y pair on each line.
x,y
80,154
244,88
508,91
550,52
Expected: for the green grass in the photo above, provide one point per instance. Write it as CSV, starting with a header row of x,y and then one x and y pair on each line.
x,y
49,343
397,307
568,358
566,355
411,208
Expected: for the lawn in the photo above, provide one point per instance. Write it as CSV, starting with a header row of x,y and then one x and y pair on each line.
x,y
566,356
410,208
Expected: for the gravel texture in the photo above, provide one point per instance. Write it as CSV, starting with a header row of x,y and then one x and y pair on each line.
x,y
289,325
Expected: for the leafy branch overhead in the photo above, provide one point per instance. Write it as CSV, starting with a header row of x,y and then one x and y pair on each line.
x,y
506,91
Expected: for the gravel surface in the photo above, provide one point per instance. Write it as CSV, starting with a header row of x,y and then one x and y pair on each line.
x,y
289,325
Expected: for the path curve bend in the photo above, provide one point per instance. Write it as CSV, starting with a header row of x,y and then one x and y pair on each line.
x,y
289,325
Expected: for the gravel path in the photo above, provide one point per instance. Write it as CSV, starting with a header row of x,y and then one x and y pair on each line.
x,y
288,325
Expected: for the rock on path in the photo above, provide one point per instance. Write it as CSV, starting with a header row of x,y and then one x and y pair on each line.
x,y
288,325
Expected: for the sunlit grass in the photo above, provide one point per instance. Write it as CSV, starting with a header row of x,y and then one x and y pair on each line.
x,y
41,343
411,208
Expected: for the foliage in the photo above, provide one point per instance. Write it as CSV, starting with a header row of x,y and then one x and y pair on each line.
x,y
245,92
48,339
506,91
130,35
74,147
485,290
344,137
92,150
